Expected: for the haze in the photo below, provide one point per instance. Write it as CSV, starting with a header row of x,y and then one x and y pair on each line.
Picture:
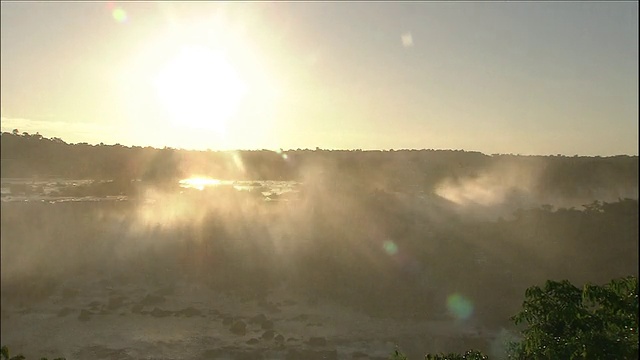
x,y
311,180
496,77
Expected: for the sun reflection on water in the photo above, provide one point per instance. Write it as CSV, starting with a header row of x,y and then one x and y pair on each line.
x,y
199,183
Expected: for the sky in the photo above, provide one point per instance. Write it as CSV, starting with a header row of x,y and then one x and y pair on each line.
x,y
533,78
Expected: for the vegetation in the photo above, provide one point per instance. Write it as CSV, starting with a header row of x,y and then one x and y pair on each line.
x,y
469,355
26,155
565,322
4,352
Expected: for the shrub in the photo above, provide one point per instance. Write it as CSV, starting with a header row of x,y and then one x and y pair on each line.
x,y
565,322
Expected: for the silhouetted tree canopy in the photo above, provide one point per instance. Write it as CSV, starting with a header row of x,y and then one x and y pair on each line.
x,y
26,156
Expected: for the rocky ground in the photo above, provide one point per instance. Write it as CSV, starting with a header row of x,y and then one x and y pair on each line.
x,y
125,318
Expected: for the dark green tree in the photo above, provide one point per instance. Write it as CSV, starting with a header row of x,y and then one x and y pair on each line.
x,y
565,322
4,355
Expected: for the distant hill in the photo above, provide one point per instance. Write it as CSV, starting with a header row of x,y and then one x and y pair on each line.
x,y
34,156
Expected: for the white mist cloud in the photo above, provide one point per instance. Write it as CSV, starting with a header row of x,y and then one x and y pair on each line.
x,y
492,187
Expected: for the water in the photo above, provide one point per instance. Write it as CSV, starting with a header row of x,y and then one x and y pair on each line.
x,y
62,190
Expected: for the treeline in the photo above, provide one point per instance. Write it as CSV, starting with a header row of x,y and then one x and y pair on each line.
x,y
32,155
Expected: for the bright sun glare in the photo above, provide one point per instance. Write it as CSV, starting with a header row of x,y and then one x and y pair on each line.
x,y
199,183
199,81
200,88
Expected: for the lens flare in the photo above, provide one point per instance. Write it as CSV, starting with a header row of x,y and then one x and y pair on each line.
x,y
119,15
407,39
459,306
390,247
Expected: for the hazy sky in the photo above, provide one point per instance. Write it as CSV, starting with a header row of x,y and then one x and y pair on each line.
x,y
495,77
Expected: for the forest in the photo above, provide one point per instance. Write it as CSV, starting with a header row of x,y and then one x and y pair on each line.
x,y
579,177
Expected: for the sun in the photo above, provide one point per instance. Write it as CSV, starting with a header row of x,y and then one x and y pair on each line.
x,y
202,81
200,88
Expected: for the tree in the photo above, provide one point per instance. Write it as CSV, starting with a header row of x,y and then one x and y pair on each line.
x,y
4,355
4,352
468,355
565,322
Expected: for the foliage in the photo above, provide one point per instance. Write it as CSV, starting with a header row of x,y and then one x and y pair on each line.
x,y
4,352
397,355
468,355
565,322
27,155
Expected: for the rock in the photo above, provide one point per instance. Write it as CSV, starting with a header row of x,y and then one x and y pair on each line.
x,y
301,317
339,341
312,354
312,301
239,328
270,307
268,335
115,302
267,325
152,300
94,305
165,291
68,293
359,355
85,315
65,311
279,338
258,319
253,341
189,312
25,311
160,313
212,354
317,341
101,352
248,355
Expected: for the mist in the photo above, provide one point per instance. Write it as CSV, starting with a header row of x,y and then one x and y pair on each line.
x,y
355,253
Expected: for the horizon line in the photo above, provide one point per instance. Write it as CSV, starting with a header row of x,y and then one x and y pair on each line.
x,y
319,148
